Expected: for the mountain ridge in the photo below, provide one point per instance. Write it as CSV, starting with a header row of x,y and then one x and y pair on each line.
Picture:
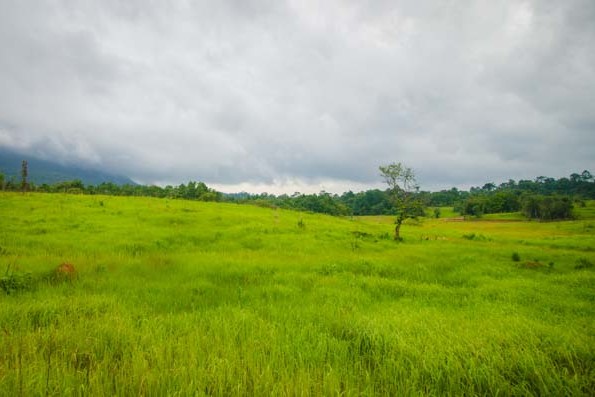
x,y
46,171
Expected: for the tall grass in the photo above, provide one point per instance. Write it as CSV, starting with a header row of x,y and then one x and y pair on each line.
x,y
187,298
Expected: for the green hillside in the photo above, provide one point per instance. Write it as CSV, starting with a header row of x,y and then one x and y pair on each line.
x,y
176,297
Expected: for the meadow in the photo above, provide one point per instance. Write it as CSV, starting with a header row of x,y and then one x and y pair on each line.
x,y
176,297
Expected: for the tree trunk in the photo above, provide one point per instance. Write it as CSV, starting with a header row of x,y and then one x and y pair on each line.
x,y
398,229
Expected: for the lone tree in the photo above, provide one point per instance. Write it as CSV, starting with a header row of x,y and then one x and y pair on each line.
x,y
24,174
402,190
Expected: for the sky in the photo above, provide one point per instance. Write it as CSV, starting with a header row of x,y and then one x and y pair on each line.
x,y
283,96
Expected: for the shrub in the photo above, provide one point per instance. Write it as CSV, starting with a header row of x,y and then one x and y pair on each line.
x,y
385,236
516,257
546,208
583,263
476,237
13,282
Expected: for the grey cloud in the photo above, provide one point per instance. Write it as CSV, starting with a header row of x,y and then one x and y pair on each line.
x,y
262,92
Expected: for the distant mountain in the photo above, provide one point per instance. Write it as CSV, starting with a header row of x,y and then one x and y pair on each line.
x,y
44,171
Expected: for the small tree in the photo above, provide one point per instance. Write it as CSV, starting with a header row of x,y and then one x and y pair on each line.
x,y
24,174
402,190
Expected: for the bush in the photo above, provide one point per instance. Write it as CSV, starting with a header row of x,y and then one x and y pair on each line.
x,y
516,257
13,282
583,263
546,208
301,224
476,237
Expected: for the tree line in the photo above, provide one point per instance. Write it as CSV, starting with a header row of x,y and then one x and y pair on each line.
x,y
189,191
542,198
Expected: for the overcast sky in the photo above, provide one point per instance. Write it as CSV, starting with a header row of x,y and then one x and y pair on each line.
x,y
281,96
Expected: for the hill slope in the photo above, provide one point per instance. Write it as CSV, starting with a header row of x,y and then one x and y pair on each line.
x,y
43,171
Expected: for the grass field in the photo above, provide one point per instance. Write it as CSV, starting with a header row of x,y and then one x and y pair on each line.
x,y
189,298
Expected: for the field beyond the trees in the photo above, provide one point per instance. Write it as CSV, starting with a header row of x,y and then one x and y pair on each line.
x,y
174,297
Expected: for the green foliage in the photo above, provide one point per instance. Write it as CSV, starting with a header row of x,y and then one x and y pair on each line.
x,y
583,263
370,202
301,224
516,257
543,199
12,282
475,237
546,208
489,199
474,206
402,189
496,202
447,198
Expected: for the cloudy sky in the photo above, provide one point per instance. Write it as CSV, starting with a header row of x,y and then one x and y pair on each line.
x,y
281,96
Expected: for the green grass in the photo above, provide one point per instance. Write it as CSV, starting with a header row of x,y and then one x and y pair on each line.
x,y
586,212
506,216
189,298
445,212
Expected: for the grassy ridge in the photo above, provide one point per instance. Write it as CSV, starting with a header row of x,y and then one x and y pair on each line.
x,y
188,298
